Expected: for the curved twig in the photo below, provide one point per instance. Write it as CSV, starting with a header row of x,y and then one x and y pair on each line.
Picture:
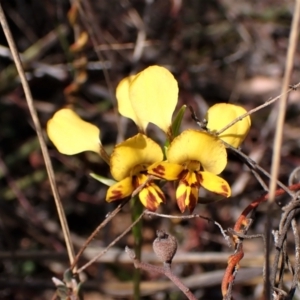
x,y
161,270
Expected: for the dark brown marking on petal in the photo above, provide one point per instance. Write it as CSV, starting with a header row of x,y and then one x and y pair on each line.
x,y
116,192
183,174
135,182
184,182
195,184
153,199
159,171
161,195
116,195
152,204
192,202
199,177
181,202
225,189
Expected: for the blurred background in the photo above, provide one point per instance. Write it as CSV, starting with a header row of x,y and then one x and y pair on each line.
x,y
218,50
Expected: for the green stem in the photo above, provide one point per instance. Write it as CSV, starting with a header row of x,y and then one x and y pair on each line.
x,y
136,210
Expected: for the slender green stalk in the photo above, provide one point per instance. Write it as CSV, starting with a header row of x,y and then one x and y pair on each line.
x,y
136,211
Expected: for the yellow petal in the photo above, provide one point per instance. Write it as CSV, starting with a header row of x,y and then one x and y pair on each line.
x,y
165,170
220,115
120,190
214,183
124,103
153,94
187,196
151,196
193,145
190,178
71,135
134,155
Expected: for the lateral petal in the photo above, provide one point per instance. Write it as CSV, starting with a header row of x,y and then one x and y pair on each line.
x,y
120,190
220,115
71,135
214,183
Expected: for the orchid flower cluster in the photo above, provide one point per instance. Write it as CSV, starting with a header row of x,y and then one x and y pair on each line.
x,y
192,158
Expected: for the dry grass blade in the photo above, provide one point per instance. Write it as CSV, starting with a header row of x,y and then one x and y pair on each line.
x,y
39,132
294,33
283,100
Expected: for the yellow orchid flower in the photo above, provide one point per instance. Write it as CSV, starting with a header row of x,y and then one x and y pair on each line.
x,y
220,115
194,158
149,96
129,163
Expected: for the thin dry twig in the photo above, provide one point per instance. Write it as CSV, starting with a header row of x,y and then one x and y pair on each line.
x,y
111,244
246,159
286,220
295,281
192,216
39,132
293,175
124,46
161,270
109,217
250,112
241,226
293,40
256,167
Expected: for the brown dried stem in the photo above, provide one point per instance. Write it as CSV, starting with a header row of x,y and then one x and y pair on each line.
x,y
161,270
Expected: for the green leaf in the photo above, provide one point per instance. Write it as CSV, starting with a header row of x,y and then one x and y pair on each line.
x,y
104,180
175,126
68,276
177,121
